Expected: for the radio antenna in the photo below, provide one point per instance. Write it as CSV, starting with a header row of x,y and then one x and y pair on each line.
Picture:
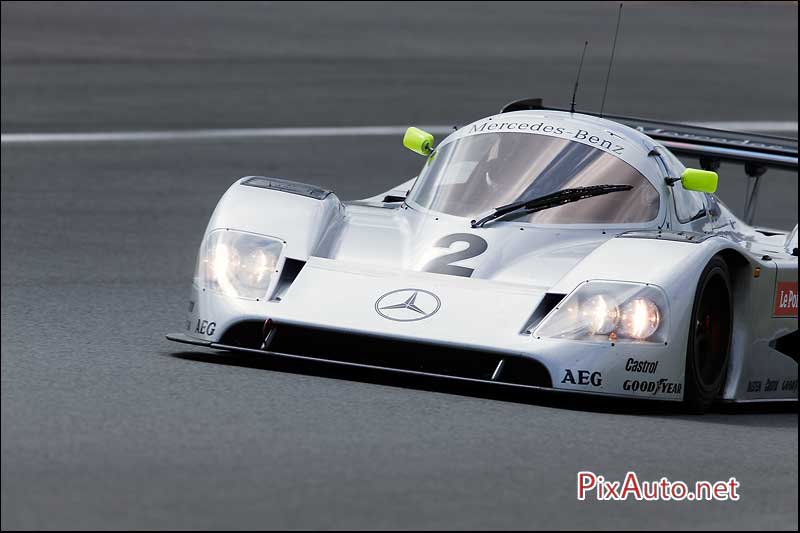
x,y
611,61
578,78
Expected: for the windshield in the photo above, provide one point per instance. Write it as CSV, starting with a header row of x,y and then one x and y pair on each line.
x,y
475,174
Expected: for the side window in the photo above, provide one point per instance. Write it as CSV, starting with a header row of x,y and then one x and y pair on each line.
x,y
689,205
714,211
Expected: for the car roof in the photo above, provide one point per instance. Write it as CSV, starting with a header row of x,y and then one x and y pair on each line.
x,y
621,141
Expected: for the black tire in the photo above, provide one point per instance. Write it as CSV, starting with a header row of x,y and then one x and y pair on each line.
x,y
709,344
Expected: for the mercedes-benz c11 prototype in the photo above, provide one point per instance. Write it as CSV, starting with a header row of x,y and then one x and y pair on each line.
x,y
536,248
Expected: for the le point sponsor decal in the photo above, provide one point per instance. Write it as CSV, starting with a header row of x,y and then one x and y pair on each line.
x,y
785,299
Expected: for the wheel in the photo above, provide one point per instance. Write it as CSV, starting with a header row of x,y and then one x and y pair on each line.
x,y
709,337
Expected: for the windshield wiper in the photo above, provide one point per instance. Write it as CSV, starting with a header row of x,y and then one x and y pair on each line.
x,y
564,196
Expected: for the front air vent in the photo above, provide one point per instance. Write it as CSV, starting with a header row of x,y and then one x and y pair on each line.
x,y
291,269
389,353
390,199
548,303
246,334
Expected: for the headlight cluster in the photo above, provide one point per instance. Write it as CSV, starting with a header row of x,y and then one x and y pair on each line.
x,y
236,263
609,311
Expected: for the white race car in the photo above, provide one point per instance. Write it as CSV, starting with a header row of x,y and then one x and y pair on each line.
x,y
536,248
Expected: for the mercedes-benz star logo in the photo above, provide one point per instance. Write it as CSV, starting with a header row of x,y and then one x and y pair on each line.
x,y
407,305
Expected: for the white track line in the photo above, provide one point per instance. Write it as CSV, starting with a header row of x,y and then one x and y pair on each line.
x,y
256,133
244,133
765,126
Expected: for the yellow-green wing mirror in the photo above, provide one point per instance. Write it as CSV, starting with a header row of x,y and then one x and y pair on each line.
x,y
694,179
418,141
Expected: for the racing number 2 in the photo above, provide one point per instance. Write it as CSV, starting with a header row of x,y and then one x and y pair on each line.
x,y
443,265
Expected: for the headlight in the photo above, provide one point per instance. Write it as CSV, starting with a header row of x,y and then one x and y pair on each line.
x,y
236,263
609,311
640,319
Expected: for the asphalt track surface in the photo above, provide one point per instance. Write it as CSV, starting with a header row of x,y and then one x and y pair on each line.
x,y
107,425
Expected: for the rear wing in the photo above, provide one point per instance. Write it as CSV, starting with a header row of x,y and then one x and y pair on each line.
x,y
711,146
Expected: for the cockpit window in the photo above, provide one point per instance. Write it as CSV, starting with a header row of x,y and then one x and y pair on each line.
x,y
475,174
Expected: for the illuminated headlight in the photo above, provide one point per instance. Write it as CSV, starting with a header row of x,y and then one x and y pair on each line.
x,y
236,263
640,319
609,311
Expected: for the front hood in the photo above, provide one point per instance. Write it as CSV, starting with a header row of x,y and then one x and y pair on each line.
x,y
403,238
